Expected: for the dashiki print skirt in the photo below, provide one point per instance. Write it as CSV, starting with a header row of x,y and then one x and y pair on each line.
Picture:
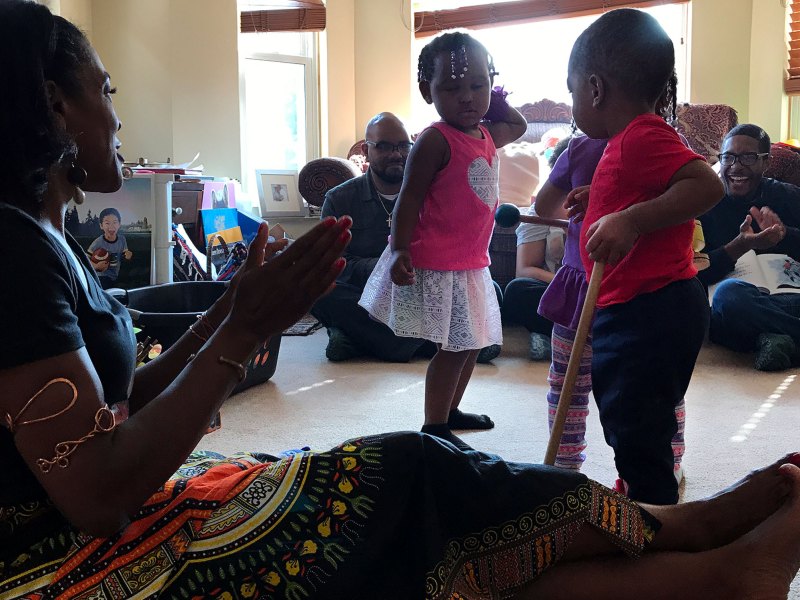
x,y
401,515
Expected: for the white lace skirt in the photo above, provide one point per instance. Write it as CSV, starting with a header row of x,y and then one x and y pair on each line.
x,y
457,309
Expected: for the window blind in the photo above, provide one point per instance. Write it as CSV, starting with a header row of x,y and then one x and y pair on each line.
x,y
792,83
285,15
520,11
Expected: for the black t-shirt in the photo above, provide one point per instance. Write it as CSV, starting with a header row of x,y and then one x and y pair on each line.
x,y
45,311
721,225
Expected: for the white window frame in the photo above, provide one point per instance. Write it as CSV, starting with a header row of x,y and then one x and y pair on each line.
x,y
312,115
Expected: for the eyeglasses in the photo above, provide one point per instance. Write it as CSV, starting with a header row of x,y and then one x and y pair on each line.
x,y
746,159
387,147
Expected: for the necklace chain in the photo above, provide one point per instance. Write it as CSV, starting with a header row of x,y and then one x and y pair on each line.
x,y
388,213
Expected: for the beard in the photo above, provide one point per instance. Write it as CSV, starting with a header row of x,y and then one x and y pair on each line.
x,y
391,174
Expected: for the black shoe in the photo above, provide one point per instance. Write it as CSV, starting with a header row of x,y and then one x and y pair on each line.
x,y
340,347
489,353
775,352
540,348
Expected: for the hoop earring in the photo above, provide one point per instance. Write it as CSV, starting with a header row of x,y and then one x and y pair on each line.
x,y
77,177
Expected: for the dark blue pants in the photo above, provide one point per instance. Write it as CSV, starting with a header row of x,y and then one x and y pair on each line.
x,y
740,312
340,309
644,352
520,303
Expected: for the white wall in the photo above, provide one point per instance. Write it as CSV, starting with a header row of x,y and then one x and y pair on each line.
x,y
175,64
383,59
133,41
205,84
77,11
738,56
338,79
769,106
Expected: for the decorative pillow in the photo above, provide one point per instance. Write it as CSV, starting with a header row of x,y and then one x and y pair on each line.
x,y
519,172
321,174
704,125
784,164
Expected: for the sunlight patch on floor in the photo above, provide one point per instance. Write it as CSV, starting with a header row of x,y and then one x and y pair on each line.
x,y
308,388
755,419
407,388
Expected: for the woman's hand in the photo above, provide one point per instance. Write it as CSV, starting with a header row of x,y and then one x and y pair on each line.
x,y
611,237
401,269
577,203
273,292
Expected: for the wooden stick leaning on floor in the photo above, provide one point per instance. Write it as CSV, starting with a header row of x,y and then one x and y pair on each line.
x,y
564,400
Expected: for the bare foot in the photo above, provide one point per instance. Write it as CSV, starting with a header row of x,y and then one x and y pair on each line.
x,y
769,555
727,515
748,502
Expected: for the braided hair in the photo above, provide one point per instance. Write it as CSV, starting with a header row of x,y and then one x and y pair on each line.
x,y
35,47
667,105
448,42
629,47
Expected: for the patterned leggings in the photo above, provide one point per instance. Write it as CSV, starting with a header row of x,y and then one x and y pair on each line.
x,y
573,441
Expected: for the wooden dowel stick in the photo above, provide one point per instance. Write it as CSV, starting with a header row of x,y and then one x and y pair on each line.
x,y
564,400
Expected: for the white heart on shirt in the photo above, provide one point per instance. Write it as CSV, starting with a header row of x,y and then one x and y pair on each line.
x,y
484,180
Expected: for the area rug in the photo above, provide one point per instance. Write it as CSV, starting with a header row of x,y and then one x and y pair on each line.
x,y
305,326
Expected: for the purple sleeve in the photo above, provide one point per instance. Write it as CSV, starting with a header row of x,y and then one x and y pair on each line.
x,y
560,175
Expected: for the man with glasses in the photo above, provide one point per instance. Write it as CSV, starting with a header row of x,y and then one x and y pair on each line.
x,y
369,200
761,214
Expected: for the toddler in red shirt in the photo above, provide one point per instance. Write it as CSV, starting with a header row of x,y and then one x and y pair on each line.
x,y
648,188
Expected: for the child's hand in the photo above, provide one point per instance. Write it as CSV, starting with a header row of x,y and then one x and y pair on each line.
x,y
498,105
611,237
127,254
401,269
577,203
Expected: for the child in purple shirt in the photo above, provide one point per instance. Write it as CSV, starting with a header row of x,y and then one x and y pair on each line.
x,y
564,297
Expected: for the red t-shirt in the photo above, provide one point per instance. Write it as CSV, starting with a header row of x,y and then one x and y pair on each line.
x,y
636,167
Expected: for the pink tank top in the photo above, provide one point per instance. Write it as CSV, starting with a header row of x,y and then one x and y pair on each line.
x,y
457,217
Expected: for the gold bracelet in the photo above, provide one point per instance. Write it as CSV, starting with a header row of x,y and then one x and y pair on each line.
x,y
240,368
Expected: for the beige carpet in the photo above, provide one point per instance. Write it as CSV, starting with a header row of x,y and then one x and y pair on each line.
x,y
737,418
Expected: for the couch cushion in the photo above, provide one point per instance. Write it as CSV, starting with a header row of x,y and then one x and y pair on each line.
x,y
519,172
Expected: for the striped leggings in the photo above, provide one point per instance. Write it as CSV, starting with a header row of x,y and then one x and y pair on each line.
x,y
573,441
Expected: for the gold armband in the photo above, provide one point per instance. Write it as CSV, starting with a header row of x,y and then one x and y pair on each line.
x,y
104,422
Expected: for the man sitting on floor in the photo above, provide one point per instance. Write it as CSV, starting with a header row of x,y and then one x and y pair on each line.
x,y
761,214
368,200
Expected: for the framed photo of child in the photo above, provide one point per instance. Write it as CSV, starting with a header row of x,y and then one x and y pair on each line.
x,y
278,195
116,231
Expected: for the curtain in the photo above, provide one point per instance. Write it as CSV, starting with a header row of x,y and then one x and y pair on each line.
x,y
792,83
285,15
520,11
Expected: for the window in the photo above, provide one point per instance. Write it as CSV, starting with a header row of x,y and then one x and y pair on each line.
x,y
540,70
279,102
792,83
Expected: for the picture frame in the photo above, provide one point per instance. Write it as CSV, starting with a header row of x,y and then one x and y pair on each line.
x,y
129,259
278,194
